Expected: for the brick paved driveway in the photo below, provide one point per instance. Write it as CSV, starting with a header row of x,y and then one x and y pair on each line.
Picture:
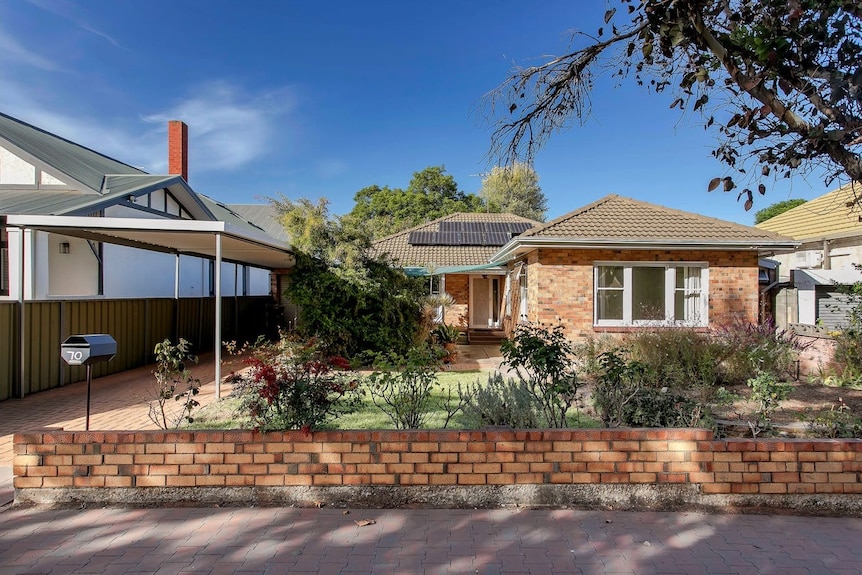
x,y
325,541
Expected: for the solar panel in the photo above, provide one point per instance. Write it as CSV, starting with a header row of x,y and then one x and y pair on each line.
x,y
498,238
450,226
422,238
519,227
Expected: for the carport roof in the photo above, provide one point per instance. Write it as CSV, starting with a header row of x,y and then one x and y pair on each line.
x,y
187,237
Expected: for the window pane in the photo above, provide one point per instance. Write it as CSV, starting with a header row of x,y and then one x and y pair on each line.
x,y
610,276
687,294
648,293
609,304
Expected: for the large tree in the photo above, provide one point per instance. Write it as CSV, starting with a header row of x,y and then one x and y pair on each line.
x,y
432,193
779,80
350,301
514,189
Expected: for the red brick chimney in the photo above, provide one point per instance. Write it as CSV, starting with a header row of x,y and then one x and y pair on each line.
x,y
178,149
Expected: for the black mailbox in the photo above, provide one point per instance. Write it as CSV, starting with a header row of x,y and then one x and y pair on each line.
x,y
88,349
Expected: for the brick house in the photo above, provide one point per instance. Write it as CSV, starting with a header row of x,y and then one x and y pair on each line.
x,y
620,264
455,252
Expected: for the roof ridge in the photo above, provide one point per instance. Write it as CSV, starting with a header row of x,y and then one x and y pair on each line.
x,y
569,215
76,144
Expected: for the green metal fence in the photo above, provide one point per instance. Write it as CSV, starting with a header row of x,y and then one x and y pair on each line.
x,y
136,324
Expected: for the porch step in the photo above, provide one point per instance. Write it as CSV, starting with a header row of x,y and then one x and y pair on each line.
x,y
485,336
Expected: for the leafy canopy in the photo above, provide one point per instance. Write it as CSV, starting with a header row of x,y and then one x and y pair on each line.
x,y
776,209
779,81
349,300
432,193
514,190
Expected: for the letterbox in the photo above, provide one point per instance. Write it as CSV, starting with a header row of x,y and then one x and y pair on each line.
x,y
88,349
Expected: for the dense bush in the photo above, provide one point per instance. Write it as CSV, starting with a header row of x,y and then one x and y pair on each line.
x,y
505,402
543,360
837,422
291,385
675,357
378,309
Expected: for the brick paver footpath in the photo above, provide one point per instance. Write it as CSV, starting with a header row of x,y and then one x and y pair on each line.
x,y
415,541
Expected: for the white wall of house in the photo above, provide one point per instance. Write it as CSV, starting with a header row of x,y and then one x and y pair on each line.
x,y
73,267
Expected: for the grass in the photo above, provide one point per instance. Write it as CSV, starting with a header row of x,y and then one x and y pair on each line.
x,y
223,414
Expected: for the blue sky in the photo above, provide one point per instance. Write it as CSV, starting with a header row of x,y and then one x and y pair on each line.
x,y
322,98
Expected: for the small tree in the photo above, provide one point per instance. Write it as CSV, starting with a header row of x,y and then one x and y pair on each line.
x,y
543,360
172,375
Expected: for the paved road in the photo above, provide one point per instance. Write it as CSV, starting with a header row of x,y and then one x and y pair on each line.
x,y
328,541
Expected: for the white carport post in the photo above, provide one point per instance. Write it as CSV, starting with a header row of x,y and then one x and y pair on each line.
x,y
22,338
218,316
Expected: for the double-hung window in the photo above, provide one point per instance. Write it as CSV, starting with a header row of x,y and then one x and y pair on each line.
x,y
4,261
651,293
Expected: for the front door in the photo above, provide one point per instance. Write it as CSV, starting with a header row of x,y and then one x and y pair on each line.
x,y
485,302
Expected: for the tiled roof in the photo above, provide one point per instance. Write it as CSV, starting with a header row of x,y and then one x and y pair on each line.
x,y
406,254
624,219
837,212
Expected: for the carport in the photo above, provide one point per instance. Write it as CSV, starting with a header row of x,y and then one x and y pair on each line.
x,y
215,240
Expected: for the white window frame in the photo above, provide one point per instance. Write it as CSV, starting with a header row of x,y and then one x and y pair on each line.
x,y
670,291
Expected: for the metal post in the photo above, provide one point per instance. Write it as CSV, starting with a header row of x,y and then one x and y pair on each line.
x,y
22,341
217,351
89,383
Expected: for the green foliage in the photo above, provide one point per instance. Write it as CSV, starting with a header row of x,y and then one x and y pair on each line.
x,y
173,380
378,310
747,349
588,351
543,360
835,423
675,357
768,392
505,402
291,385
445,333
403,386
776,209
652,407
346,298
617,384
432,193
777,81
514,190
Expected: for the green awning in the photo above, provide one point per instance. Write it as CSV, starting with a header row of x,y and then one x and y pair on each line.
x,y
415,271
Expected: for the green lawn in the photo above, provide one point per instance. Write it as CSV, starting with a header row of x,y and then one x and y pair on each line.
x,y
223,414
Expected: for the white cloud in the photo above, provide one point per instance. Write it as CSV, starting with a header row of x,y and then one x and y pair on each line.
x,y
229,128
13,52
66,10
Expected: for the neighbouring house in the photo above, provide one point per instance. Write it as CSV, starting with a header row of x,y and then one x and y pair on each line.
x,y
620,264
79,229
829,232
455,252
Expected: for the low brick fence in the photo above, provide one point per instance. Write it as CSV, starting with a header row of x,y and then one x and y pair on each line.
x,y
619,468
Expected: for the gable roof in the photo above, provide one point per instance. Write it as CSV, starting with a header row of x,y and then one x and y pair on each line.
x,y
836,213
68,158
620,222
263,215
406,254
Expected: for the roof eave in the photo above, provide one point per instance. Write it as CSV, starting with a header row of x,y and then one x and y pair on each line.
x,y
520,245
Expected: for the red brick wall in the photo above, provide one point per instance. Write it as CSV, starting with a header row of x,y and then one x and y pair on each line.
x,y
458,286
436,458
560,284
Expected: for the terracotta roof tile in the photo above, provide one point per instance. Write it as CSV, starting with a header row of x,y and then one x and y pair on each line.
x,y
829,214
406,254
618,218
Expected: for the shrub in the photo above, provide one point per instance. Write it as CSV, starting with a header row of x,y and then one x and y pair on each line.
x,y
542,359
294,386
768,392
750,349
617,384
845,368
588,351
835,423
674,357
171,374
402,386
652,407
502,401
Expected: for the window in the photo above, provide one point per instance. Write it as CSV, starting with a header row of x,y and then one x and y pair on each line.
x,y
649,293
